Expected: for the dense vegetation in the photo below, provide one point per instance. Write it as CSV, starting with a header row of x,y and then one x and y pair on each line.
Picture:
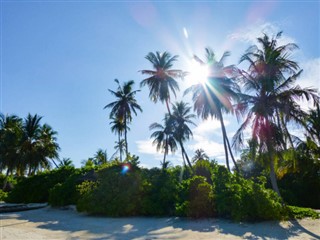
x,y
276,168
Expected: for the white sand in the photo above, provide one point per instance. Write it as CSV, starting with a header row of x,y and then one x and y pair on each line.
x,y
48,223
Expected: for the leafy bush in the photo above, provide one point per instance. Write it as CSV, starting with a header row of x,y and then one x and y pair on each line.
x,y
65,193
196,198
3,195
116,193
241,199
159,192
299,213
36,188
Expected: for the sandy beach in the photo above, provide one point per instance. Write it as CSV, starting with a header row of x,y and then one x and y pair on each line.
x,y
49,223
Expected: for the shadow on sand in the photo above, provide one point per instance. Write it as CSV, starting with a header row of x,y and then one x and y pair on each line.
x,y
77,226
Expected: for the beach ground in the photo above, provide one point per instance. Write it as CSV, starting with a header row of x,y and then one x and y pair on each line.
x,y
50,223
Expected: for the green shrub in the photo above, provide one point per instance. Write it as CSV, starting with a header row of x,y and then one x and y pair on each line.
x,y
241,199
116,193
196,198
65,193
159,192
85,202
299,213
203,168
36,188
3,195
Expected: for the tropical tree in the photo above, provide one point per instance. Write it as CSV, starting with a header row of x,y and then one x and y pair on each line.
x,y
269,102
117,126
180,119
215,96
125,104
199,155
10,140
100,157
38,144
164,138
66,162
313,124
120,148
162,81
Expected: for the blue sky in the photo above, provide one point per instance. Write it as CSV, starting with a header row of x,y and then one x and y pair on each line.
x,y
59,58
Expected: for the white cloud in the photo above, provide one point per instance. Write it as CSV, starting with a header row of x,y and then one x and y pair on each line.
x,y
250,33
146,147
209,126
310,77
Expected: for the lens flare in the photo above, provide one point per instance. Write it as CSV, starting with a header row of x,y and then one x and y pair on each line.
x,y
125,168
198,73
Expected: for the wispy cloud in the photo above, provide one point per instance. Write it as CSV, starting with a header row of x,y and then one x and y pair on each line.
x,y
310,77
146,147
209,126
250,33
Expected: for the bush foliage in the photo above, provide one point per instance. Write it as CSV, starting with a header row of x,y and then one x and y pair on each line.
x,y
117,189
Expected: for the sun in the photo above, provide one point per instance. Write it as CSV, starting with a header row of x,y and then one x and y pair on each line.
x,y
198,73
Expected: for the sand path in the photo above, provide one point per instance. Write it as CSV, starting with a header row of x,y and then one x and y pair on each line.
x,y
49,223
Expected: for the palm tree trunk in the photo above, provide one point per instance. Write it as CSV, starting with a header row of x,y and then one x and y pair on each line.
x,y
185,154
231,154
55,163
120,149
167,103
125,134
5,182
273,177
224,140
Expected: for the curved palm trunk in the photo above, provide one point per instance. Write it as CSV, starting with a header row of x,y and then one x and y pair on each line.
x,y
167,103
183,151
229,147
55,163
273,176
224,140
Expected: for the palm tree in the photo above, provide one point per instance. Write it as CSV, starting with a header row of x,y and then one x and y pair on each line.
x,y
100,157
215,96
66,162
313,124
125,104
180,119
164,138
117,126
120,147
38,144
162,80
49,146
10,140
270,95
199,155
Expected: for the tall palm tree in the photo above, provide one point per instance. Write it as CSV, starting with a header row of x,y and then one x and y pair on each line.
x,y
199,155
270,95
164,138
180,119
10,140
38,144
124,105
162,80
215,96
